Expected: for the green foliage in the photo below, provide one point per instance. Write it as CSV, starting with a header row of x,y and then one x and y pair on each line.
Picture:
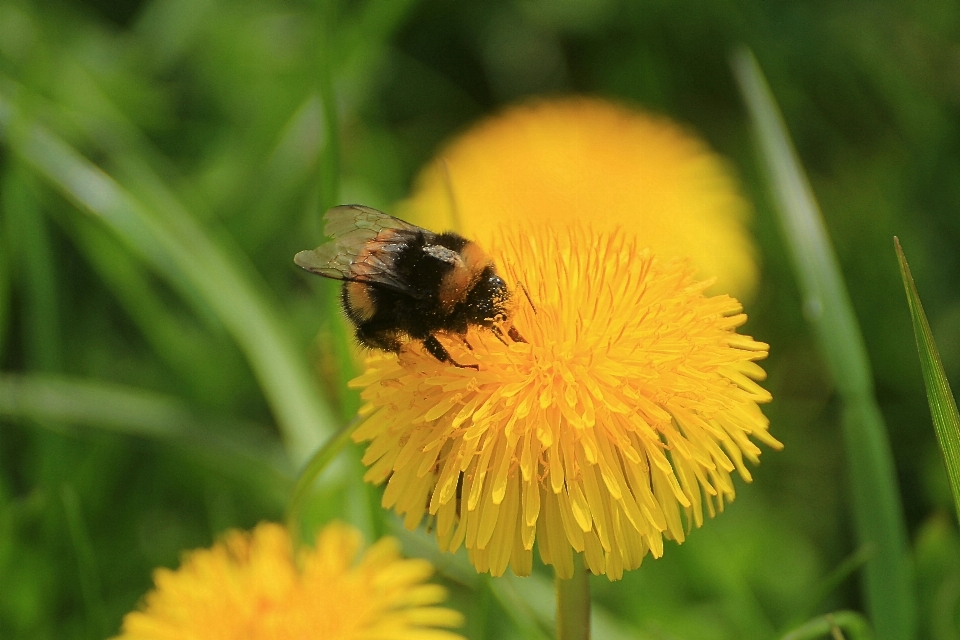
x,y
848,624
165,370
943,406
888,579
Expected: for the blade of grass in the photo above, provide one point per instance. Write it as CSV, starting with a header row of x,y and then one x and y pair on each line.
x,y
89,572
176,338
851,622
37,275
291,164
6,278
312,470
62,400
5,291
878,513
943,406
174,244
347,48
516,603
850,565
329,165
364,38
78,401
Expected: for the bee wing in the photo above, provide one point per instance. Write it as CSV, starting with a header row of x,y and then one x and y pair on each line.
x,y
365,243
350,218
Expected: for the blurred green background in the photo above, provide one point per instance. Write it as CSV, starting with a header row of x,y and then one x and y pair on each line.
x,y
163,361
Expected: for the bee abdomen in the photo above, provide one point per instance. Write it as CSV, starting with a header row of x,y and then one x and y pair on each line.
x,y
358,302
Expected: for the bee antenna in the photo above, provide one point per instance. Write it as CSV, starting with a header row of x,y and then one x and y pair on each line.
x,y
451,195
529,299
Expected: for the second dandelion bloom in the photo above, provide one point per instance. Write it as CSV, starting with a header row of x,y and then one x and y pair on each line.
x,y
562,160
254,586
618,423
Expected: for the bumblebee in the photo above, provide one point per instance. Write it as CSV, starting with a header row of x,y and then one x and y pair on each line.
x,y
402,282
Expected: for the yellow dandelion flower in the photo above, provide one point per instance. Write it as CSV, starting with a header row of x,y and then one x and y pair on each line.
x,y
561,160
249,586
615,425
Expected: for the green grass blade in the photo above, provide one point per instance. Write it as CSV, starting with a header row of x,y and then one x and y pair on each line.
x,y
63,400
176,338
88,571
77,401
943,406
851,623
37,271
348,47
850,565
329,165
513,600
6,281
878,512
312,470
173,243
6,275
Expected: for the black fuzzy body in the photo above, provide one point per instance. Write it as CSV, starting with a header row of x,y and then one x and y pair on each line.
x,y
417,312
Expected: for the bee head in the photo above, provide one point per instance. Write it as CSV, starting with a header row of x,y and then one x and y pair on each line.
x,y
488,301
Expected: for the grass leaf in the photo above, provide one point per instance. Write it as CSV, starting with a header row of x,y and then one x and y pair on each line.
x,y
179,248
853,625
63,400
194,354
943,406
312,470
878,512
37,268
87,569
329,165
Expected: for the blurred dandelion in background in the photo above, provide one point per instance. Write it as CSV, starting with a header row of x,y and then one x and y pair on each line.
x,y
250,586
574,158
617,424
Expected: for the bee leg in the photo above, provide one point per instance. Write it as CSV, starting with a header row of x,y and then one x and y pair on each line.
x,y
437,350
512,332
515,335
529,299
459,493
463,339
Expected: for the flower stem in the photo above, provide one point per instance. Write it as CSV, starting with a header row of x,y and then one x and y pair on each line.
x,y
573,603
311,471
